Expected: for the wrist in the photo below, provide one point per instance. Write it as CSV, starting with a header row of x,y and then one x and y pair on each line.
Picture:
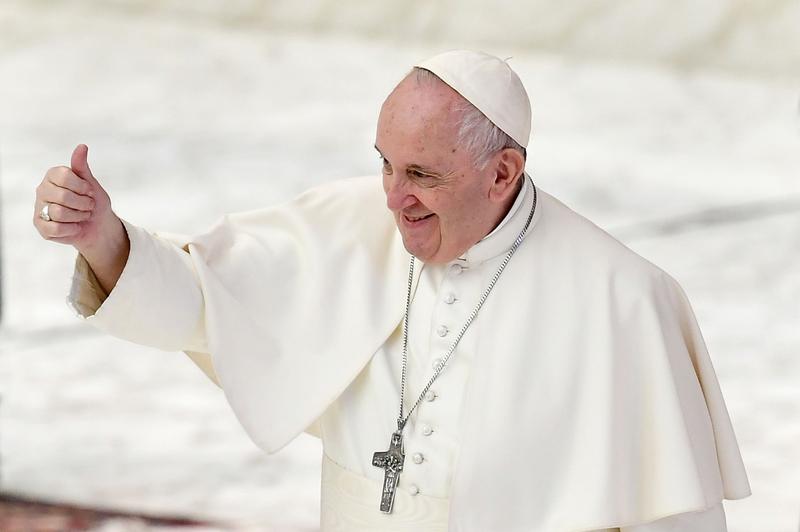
x,y
110,249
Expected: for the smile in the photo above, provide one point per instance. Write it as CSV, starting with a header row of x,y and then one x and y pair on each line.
x,y
416,222
417,218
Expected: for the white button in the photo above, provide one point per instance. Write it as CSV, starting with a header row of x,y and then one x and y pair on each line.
x,y
436,362
442,331
418,458
427,430
413,489
456,269
450,298
430,395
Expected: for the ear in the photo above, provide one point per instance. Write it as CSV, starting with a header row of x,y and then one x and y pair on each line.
x,y
508,165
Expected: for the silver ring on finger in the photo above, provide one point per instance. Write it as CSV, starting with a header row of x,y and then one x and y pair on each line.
x,y
44,214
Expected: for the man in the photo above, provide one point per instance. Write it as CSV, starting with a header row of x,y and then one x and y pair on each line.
x,y
478,357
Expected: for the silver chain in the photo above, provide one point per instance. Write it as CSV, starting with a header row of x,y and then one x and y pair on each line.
x,y
401,421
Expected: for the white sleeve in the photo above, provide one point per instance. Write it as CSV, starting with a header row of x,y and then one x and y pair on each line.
x,y
157,300
710,520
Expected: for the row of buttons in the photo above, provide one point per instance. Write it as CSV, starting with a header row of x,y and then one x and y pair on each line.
x,y
418,458
426,430
450,298
430,395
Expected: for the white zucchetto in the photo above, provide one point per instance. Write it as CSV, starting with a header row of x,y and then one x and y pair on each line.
x,y
488,83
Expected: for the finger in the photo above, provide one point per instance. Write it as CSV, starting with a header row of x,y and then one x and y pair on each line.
x,y
65,197
80,163
64,177
59,213
57,230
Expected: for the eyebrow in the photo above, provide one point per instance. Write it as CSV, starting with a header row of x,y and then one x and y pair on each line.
x,y
417,167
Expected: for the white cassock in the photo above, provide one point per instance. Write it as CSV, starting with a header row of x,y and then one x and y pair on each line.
x,y
582,398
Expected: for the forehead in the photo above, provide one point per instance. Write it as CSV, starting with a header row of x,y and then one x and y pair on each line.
x,y
419,114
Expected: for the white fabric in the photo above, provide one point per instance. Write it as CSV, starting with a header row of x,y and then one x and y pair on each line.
x,y
488,83
362,419
348,505
595,403
353,428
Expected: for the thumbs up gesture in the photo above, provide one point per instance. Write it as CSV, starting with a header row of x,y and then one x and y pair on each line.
x,y
72,208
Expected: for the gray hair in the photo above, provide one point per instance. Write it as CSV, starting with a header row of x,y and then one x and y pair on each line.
x,y
476,133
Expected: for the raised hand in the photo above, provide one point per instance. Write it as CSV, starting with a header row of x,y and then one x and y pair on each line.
x,y
72,208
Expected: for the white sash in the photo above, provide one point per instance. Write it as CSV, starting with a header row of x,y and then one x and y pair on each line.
x,y
350,504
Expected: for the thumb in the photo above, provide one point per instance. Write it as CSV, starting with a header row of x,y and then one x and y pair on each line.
x,y
79,163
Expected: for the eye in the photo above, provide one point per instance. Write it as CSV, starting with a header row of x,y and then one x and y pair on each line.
x,y
387,168
420,175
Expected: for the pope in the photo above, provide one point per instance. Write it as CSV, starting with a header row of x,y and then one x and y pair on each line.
x,y
475,357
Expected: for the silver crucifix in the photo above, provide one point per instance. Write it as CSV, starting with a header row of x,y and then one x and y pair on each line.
x,y
392,463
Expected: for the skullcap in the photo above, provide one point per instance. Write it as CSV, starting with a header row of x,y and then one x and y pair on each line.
x,y
488,83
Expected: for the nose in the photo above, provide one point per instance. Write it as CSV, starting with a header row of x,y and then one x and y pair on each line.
x,y
398,194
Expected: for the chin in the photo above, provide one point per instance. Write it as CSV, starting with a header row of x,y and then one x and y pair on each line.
x,y
420,251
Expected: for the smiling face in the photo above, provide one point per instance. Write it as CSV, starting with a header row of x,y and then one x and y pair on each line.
x,y
442,203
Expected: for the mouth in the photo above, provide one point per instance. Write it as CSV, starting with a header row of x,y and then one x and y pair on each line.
x,y
413,222
412,219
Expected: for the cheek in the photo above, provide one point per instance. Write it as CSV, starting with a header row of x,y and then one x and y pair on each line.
x,y
434,200
450,209
459,216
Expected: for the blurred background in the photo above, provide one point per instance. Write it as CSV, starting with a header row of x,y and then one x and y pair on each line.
x,y
674,125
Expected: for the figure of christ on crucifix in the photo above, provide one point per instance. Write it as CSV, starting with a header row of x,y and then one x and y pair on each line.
x,y
392,463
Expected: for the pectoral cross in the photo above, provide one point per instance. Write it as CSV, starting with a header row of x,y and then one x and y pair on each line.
x,y
392,463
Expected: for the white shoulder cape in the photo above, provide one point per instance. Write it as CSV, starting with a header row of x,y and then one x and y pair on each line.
x,y
593,405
